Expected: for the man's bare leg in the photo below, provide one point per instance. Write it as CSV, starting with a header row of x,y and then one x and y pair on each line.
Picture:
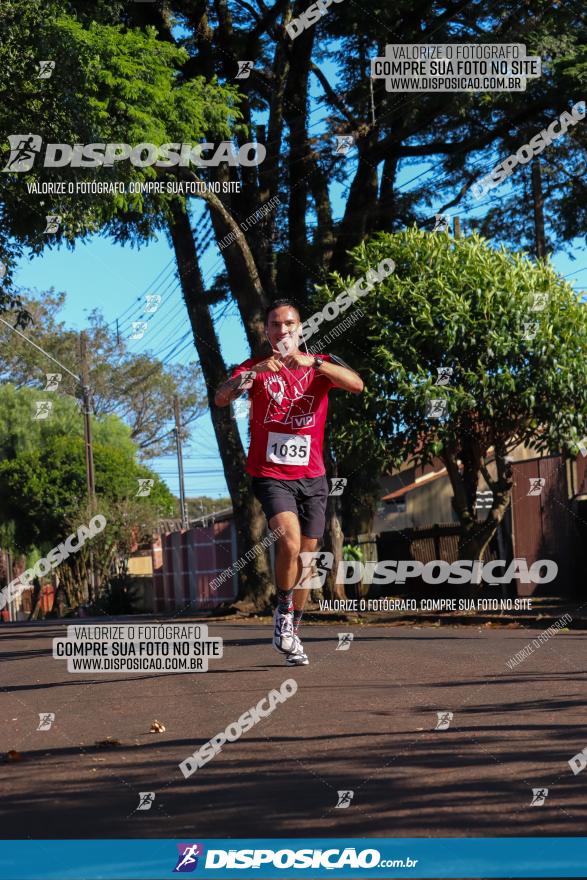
x,y
290,579
287,549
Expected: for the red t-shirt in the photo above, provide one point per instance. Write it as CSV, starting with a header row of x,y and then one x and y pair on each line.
x,y
287,417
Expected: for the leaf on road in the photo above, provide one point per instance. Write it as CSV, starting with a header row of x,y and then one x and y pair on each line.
x,y
13,755
157,727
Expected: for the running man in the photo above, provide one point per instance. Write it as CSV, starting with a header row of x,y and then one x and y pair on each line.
x,y
289,402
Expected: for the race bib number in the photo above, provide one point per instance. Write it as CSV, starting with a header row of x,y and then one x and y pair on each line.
x,y
288,448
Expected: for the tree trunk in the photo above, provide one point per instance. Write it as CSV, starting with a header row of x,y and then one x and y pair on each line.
x,y
538,199
36,601
255,586
386,205
295,113
476,535
361,201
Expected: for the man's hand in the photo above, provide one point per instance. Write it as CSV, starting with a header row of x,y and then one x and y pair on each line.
x,y
272,364
297,360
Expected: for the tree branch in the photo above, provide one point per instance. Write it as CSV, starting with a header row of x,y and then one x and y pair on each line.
x,y
333,97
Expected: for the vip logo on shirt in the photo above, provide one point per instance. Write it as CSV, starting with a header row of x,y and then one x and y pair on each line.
x,y
307,421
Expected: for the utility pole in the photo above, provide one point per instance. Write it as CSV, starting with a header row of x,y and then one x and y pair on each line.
x,y
87,410
88,445
183,508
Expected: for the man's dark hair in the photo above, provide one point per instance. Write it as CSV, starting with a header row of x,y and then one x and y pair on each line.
x,y
281,302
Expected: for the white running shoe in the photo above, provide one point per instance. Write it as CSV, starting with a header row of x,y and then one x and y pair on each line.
x,y
297,657
283,632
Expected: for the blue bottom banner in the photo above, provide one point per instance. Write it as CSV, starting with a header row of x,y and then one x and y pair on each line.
x,y
294,857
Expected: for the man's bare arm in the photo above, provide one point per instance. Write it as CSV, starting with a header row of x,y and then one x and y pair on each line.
x,y
342,377
232,389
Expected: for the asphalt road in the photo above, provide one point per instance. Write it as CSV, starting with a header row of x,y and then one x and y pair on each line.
x,y
362,720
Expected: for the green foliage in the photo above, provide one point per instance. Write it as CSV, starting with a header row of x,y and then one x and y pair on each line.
x,y
138,388
20,432
464,305
352,552
202,505
111,84
42,468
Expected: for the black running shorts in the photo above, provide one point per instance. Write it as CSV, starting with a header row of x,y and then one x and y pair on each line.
x,y
306,498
